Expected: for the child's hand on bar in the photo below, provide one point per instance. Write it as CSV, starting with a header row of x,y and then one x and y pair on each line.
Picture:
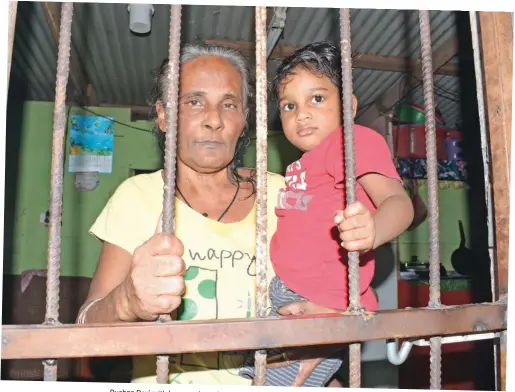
x,y
357,228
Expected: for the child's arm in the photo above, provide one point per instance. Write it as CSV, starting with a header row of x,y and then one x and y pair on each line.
x,y
362,231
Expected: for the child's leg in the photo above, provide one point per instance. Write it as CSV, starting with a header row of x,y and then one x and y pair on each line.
x,y
284,376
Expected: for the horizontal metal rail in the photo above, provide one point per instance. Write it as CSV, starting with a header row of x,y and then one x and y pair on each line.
x,y
146,338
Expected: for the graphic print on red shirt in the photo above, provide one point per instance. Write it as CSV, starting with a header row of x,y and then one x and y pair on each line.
x,y
305,249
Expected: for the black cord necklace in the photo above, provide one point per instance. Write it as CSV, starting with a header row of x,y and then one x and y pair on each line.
x,y
205,213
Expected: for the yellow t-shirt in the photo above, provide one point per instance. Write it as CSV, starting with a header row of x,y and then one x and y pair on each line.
x,y
220,276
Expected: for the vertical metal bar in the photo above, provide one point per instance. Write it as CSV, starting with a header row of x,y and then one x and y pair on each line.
x,y
261,167
350,185
56,180
485,149
496,39
13,9
432,180
162,363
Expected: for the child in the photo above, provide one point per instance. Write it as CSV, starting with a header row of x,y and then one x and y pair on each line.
x,y
309,249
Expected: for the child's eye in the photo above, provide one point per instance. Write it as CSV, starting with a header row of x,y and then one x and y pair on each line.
x,y
288,107
317,99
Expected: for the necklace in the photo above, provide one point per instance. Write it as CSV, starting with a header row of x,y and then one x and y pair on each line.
x,y
205,213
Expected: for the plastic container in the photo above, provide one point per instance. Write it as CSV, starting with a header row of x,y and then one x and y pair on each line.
x,y
409,141
414,114
453,146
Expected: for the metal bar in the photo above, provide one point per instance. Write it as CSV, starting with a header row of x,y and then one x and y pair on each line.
x,y
432,181
147,338
350,185
261,167
13,9
162,363
496,38
56,180
399,357
275,29
459,338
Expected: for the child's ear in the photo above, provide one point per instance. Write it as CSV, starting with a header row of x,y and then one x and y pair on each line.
x,y
354,106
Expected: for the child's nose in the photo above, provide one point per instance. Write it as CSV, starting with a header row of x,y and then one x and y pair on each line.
x,y
303,114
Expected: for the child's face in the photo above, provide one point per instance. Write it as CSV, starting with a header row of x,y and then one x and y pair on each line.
x,y
310,108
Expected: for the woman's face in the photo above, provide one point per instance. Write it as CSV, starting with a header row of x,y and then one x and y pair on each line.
x,y
211,114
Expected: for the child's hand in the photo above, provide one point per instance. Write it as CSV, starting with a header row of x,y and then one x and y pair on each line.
x,y
357,228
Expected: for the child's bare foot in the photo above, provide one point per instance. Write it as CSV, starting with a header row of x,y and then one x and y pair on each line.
x,y
305,307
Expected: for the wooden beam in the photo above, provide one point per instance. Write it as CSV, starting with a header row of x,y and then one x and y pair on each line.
x,y
386,101
496,38
52,12
360,60
141,110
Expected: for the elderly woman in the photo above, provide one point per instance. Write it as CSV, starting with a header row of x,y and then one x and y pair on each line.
x,y
207,270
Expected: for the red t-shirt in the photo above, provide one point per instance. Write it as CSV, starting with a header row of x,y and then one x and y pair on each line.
x,y
305,249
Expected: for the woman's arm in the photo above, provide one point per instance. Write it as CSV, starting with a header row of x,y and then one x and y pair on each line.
x,y
108,298
137,287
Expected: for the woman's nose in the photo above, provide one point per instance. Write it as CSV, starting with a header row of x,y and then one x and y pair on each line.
x,y
213,120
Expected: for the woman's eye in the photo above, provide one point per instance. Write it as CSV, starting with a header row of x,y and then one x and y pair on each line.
x,y
194,102
288,107
317,99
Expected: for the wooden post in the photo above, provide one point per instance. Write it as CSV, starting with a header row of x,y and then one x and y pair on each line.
x,y
496,38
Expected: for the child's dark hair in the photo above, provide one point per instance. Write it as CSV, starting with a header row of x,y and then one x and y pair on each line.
x,y
320,57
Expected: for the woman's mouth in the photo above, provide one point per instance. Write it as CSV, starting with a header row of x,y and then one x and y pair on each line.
x,y
210,144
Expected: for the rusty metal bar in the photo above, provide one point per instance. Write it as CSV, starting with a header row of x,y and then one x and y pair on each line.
x,y
170,156
496,39
435,343
350,185
147,338
13,9
261,168
56,180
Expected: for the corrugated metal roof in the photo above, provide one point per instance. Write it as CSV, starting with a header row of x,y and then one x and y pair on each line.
x,y
119,64
374,31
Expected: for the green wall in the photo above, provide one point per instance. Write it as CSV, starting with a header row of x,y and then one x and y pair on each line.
x,y
79,250
453,204
133,149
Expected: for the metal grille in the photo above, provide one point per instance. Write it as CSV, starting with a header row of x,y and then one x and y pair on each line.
x,y
170,337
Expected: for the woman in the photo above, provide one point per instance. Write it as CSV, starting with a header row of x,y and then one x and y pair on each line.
x,y
210,261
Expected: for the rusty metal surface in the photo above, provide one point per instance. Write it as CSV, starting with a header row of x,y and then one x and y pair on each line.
x,y
432,181
261,168
496,39
13,8
56,179
432,165
348,134
170,155
350,185
31,341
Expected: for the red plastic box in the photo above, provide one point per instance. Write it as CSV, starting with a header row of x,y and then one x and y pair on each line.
x,y
409,141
